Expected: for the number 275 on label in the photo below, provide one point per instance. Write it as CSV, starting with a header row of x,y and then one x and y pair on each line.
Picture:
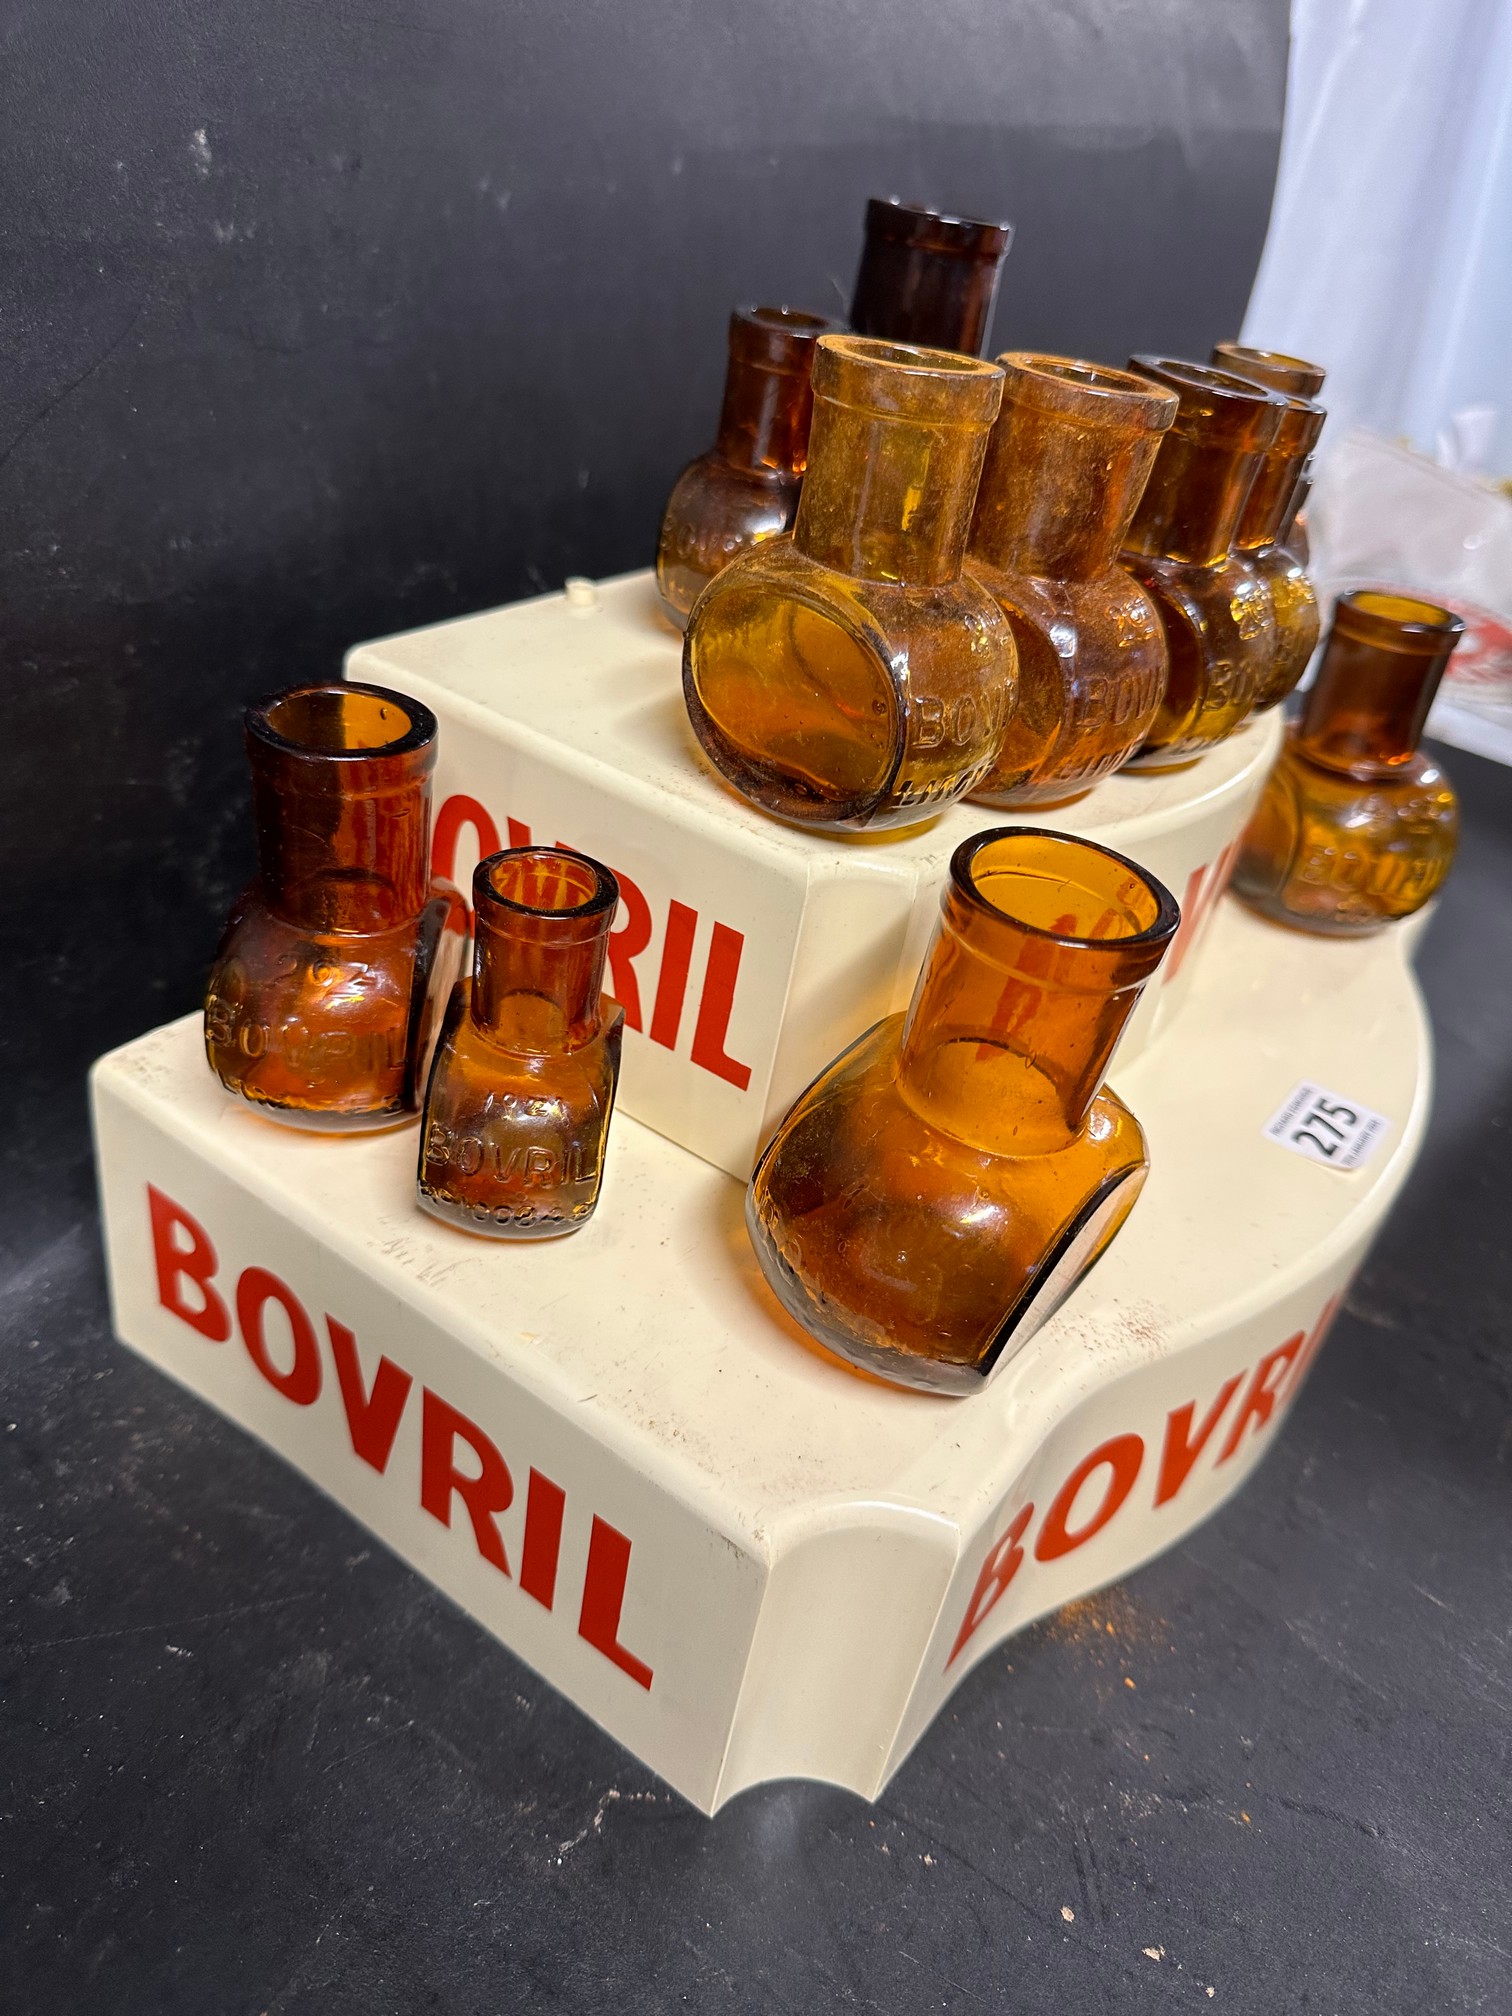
x,y
1326,1127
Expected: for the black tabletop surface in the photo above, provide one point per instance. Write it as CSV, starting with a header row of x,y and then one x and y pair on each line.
x,y
252,1764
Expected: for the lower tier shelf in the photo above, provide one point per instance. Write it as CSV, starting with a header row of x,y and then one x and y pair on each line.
x,y
742,1559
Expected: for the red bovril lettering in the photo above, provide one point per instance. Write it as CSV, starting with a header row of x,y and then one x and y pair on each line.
x,y
1097,1488
667,992
1198,901
466,1483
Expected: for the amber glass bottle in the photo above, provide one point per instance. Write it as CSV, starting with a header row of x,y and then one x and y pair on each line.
x,y
1257,546
1220,634
944,1185
850,675
522,1089
1066,465
1357,827
1299,379
746,488
928,278
325,992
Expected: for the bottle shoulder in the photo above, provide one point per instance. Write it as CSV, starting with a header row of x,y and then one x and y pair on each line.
x,y
1417,788
268,950
955,617
1227,606
483,1067
863,1094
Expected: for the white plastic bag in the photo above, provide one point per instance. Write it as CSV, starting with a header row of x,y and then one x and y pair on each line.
x,y
1383,516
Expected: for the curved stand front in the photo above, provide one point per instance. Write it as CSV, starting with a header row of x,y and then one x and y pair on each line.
x,y
742,1559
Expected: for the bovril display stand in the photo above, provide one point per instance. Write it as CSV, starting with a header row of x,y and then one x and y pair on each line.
x,y
742,1559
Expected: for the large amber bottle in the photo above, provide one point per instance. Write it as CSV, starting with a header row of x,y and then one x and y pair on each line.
x,y
1067,463
745,489
849,675
1220,634
325,992
1258,546
1298,379
522,1089
927,277
944,1185
1357,826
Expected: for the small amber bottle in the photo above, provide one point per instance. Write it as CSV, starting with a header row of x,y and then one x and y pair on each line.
x,y
1067,463
326,990
746,488
1298,379
522,1089
928,278
1357,826
944,1185
1257,546
849,674
1220,634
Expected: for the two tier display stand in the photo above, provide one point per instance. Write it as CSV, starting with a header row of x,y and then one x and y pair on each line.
x,y
741,1558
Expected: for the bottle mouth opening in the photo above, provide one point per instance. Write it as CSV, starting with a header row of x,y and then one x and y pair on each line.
x,y
779,339
1070,892
930,230
907,380
1300,425
545,882
1274,368
1386,616
339,720
1068,383
915,358
790,321
1239,411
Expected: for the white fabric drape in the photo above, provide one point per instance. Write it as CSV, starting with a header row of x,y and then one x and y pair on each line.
x,y
1389,255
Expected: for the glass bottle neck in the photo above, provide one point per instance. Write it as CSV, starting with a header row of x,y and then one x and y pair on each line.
x,y
1266,506
1193,501
1060,487
886,499
764,421
928,278
1269,507
1010,1031
1365,711
341,800
538,972
1207,463
1301,491
768,400
894,459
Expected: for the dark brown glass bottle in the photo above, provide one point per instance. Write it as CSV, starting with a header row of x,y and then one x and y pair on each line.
x,y
1257,545
522,1090
325,992
1067,463
945,1184
849,674
745,489
1357,826
1220,634
1298,379
928,278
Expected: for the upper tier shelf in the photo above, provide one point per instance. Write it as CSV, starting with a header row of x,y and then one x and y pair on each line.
x,y
749,952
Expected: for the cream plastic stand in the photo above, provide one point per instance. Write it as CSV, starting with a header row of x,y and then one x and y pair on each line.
x,y
614,1451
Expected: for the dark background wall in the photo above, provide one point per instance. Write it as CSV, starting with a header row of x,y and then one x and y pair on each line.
x,y
322,321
